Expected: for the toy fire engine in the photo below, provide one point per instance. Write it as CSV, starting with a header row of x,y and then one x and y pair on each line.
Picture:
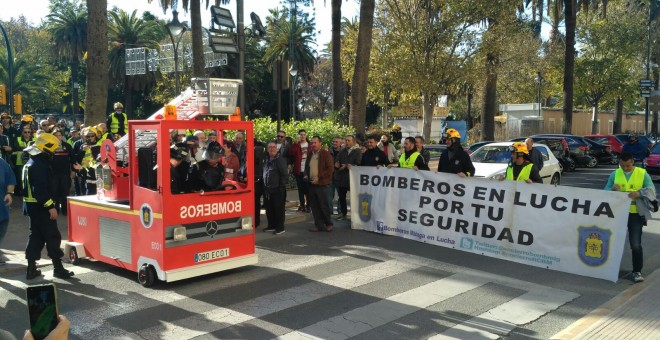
x,y
137,223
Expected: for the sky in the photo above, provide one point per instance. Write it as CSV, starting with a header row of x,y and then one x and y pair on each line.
x,y
36,10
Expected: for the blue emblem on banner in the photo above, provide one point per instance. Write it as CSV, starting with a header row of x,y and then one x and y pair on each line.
x,y
364,203
379,226
593,245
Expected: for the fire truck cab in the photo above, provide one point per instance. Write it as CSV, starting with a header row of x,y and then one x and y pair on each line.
x,y
136,222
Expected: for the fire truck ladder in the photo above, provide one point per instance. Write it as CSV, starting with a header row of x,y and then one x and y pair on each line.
x,y
186,109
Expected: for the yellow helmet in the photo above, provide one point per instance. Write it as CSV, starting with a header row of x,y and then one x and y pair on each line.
x,y
46,142
395,127
453,133
27,118
118,105
519,147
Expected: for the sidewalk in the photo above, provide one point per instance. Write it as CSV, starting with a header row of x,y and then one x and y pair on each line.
x,y
633,314
13,245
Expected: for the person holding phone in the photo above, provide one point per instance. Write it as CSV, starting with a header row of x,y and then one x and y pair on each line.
x,y
39,205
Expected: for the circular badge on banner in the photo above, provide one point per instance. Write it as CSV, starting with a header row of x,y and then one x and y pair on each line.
x,y
146,215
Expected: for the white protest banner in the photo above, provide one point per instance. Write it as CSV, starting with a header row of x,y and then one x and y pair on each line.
x,y
574,230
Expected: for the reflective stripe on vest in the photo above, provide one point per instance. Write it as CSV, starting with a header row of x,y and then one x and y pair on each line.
x,y
27,195
19,154
114,123
410,162
634,183
522,176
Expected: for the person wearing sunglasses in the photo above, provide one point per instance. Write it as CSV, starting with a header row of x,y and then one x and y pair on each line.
x,y
282,145
521,167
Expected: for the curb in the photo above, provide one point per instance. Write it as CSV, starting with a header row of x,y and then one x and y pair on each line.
x,y
608,308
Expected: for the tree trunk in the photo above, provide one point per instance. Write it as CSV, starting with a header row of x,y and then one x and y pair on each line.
x,y
337,79
427,115
197,47
96,100
358,113
594,119
490,99
569,65
616,128
554,31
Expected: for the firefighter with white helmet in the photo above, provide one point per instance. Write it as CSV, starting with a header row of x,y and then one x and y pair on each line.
x,y
117,122
454,159
39,205
521,167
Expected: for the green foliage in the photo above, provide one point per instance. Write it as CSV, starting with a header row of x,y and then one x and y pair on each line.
x,y
284,37
266,130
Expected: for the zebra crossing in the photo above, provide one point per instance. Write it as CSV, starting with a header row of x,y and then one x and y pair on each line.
x,y
376,294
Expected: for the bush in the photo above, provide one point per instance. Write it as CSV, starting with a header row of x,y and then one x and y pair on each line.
x,y
265,130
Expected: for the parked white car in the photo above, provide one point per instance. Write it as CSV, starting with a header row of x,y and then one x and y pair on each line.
x,y
491,161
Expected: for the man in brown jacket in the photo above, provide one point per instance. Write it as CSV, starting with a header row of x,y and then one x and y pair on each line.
x,y
318,171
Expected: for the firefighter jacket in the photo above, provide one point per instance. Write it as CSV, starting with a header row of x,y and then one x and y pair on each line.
x,y
36,187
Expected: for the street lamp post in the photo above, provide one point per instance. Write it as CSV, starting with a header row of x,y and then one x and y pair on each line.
x,y
175,30
10,72
294,72
539,81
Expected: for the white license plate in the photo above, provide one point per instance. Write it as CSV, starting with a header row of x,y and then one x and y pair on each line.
x,y
211,255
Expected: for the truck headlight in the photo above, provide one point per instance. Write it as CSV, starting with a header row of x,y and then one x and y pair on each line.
x,y
246,223
180,234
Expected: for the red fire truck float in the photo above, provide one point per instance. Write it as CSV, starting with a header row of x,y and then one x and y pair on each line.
x,y
135,221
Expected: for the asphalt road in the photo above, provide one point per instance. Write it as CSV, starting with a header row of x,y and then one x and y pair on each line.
x,y
345,284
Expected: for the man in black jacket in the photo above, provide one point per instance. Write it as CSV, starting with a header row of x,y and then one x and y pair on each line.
x,y
373,156
61,165
454,159
534,154
275,179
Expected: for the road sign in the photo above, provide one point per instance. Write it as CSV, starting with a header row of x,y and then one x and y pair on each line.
x,y
646,93
646,83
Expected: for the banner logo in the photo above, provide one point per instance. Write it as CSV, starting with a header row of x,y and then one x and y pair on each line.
x,y
364,200
593,245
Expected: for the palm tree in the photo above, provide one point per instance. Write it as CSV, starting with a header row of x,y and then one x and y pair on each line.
x,y
68,25
357,116
279,35
96,100
130,31
28,77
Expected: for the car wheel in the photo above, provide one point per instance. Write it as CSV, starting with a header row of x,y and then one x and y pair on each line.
x,y
146,275
592,162
614,160
555,179
570,164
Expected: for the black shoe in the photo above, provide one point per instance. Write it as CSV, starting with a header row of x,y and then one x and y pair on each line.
x,y
32,272
62,273
269,229
280,232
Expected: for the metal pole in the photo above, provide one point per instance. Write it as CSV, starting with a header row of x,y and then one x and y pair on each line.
x,y
241,57
10,71
279,93
648,69
177,88
538,74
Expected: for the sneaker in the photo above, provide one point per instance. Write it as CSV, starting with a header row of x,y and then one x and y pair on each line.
x,y
300,209
279,232
637,277
269,229
309,209
340,217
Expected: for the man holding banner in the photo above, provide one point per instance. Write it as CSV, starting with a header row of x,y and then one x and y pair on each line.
x,y
454,159
631,179
521,167
410,159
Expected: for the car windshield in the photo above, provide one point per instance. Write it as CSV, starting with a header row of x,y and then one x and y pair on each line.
x,y
656,149
492,154
602,140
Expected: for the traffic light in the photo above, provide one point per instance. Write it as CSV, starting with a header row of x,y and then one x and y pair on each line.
x,y
18,104
3,95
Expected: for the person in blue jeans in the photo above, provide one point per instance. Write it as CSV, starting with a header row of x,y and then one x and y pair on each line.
x,y
7,183
630,178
